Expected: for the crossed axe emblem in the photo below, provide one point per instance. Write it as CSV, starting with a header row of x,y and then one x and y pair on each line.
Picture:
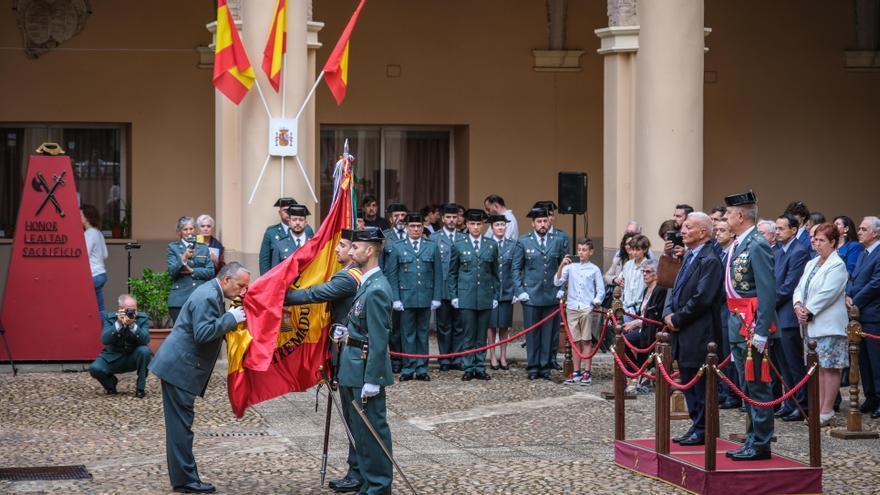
x,y
39,184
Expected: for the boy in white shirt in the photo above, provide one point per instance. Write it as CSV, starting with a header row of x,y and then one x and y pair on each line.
x,y
586,289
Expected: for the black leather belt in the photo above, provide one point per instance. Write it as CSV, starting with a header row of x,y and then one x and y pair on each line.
x,y
360,344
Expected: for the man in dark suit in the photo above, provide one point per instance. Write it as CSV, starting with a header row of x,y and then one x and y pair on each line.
x,y
125,336
863,292
693,314
800,211
791,257
727,398
184,364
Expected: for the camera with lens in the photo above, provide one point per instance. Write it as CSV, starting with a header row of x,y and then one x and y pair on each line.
x,y
130,313
132,245
190,241
675,237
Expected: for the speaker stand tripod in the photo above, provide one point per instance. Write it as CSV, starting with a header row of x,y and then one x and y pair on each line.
x,y
8,352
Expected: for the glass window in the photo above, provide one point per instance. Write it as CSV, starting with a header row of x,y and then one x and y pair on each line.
x,y
407,165
97,154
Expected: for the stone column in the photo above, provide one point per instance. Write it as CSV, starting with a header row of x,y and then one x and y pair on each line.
x,y
669,111
241,132
620,42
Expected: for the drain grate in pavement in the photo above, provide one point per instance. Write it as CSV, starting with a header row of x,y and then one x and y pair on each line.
x,y
45,473
237,434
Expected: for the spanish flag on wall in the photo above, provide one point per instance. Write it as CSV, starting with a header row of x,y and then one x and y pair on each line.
x,y
278,350
336,68
276,46
233,74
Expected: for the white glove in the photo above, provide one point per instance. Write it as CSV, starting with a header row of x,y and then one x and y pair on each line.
x,y
238,314
494,304
560,293
759,342
339,331
369,390
397,306
455,303
522,297
435,305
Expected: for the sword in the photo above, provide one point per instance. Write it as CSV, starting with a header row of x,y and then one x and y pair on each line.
x,y
326,427
39,183
360,411
50,193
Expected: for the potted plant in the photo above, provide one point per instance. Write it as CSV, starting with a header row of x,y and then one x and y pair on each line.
x,y
125,223
151,292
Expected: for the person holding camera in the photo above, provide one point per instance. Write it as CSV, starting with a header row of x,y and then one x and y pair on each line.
x,y
125,336
189,264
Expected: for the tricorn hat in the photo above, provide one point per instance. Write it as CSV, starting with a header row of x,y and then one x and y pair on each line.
x,y
498,218
395,207
449,209
413,218
368,234
741,199
348,234
546,204
284,202
475,215
298,211
537,212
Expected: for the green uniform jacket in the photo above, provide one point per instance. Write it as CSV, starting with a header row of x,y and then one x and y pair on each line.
x,y
391,238
275,241
183,284
473,276
119,343
534,268
445,244
563,238
416,279
339,291
751,273
369,320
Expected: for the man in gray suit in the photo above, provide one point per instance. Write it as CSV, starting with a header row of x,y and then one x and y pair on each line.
x,y
184,364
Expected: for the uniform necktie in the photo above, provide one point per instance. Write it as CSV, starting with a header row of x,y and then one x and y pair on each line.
x,y
296,243
543,243
477,246
501,244
416,246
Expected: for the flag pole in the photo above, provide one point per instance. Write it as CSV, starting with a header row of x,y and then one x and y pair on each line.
x,y
309,96
306,177
262,98
259,179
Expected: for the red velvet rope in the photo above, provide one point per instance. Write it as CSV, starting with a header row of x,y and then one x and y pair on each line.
x,y
646,320
869,336
674,384
772,403
480,349
574,348
639,350
640,372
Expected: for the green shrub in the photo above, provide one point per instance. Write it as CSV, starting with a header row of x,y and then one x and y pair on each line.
x,y
151,292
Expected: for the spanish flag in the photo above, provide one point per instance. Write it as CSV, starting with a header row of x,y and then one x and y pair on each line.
x,y
278,350
276,46
233,74
336,68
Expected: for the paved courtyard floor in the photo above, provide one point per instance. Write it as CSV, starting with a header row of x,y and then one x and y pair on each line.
x,y
505,436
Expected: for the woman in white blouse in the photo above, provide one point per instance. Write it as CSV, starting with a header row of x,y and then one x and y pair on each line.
x,y
631,277
96,249
820,305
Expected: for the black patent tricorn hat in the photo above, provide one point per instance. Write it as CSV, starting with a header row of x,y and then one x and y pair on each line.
x,y
537,213
284,202
741,199
498,218
368,234
413,218
298,211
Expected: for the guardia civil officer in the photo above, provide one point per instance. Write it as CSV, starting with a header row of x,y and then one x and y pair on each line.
x,y
184,364
415,272
474,287
189,264
450,334
125,336
364,363
396,213
750,285
284,245
501,318
339,291
535,262
274,234
554,231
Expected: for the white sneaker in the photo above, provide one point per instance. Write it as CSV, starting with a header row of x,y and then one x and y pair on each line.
x,y
587,378
574,378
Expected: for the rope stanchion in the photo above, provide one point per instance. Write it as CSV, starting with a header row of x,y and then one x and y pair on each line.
x,y
626,371
771,403
674,384
480,349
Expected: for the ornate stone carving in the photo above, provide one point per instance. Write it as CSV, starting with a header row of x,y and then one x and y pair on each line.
x,y
622,13
45,24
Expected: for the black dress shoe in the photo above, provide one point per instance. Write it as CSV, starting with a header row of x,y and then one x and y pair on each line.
x,y
140,394
467,376
782,412
458,367
406,377
868,406
444,367
482,375
875,414
731,453
794,416
682,437
423,377
546,375
533,376
504,367
493,366
693,440
752,454
195,487
729,405
346,484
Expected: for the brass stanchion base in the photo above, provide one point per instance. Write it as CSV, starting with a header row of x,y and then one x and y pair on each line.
x,y
678,406
854,435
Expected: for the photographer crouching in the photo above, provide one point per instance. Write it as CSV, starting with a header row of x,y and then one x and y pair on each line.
x,y
125,336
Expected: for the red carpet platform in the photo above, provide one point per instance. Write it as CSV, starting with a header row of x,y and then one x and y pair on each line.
x,y
684,467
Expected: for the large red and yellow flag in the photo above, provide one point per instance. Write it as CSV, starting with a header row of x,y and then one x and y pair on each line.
x,y
233,74
279,349
276,46
336,68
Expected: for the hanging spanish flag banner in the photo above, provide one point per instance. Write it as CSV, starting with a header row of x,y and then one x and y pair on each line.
x,y
336,68
279,349
233,74
276,46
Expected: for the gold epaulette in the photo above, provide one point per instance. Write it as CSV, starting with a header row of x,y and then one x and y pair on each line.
x,y
356,274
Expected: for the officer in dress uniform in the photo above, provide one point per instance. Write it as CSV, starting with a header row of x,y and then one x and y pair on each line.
x,y
501,318
750,285
474,287
566,246
396,214
415,271
277,232
535,262
364,363
285,245
339,291
450,334
125,336
189,264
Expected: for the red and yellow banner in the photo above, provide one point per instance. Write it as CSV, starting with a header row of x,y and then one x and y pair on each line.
x,y
279,349
276,46
233,74
336,68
